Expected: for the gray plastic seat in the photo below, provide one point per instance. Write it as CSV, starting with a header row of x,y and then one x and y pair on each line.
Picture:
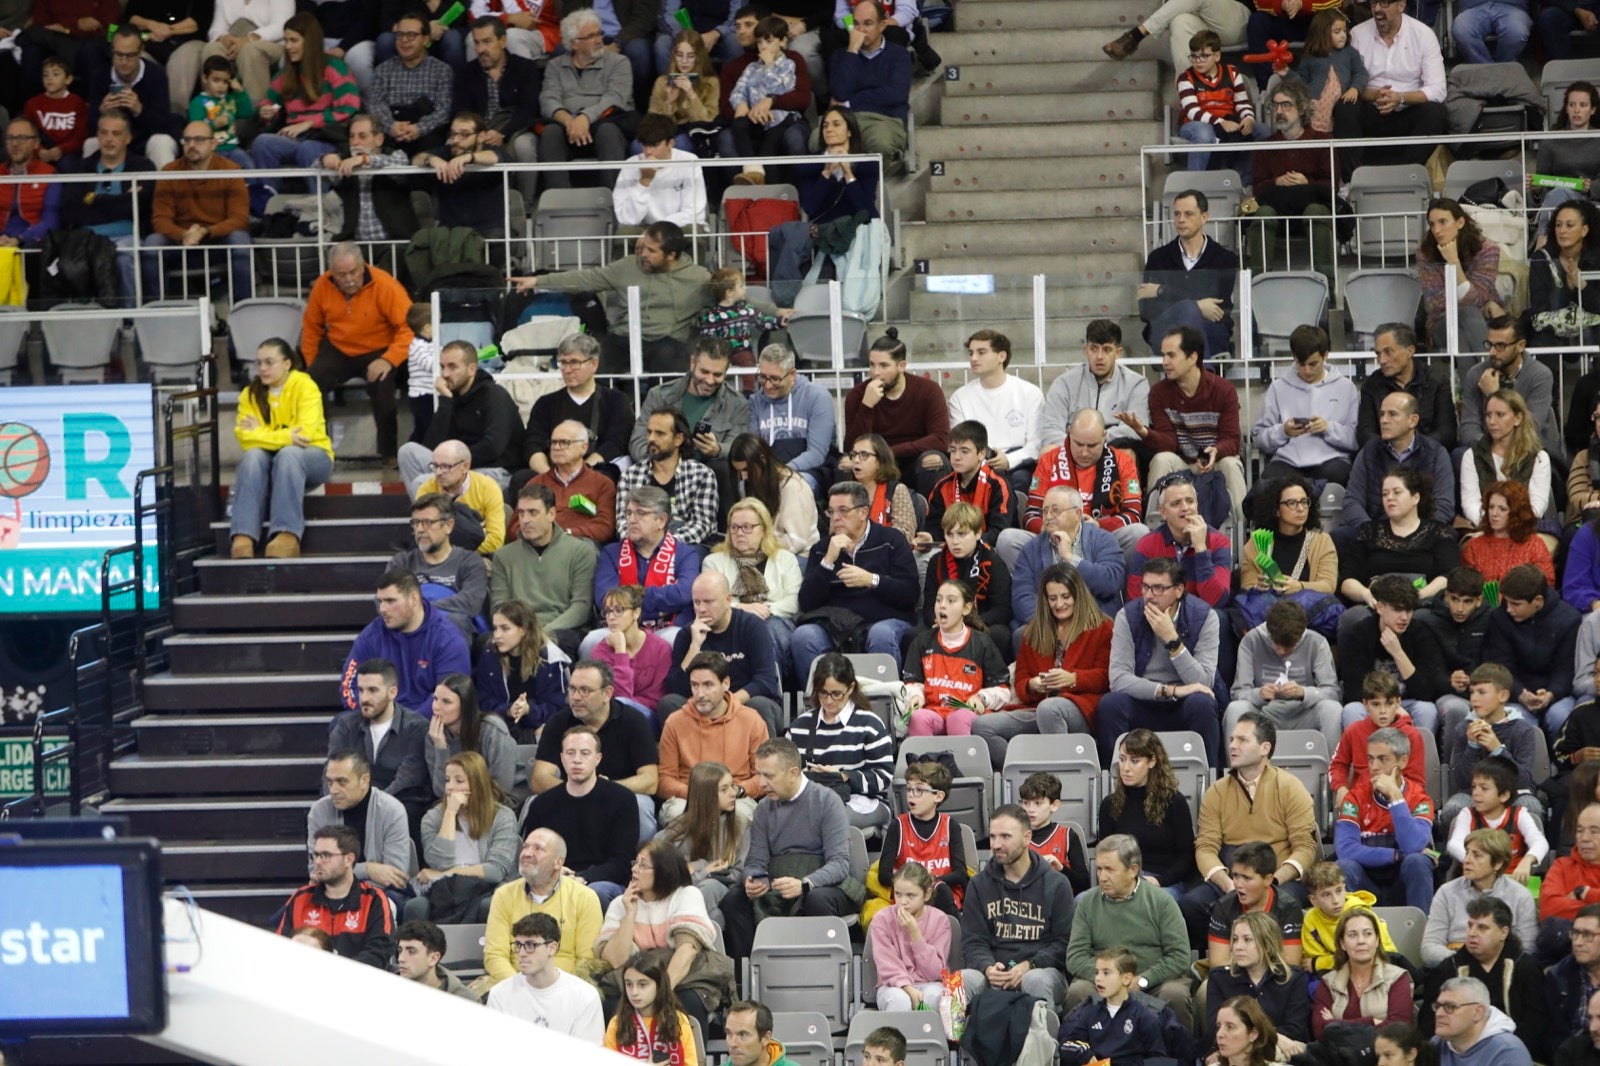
x,y
79,348
970,799
1073,758
926,1041
570,228
1304,753
811,330
806,1038
804,964
172,347
1390,204
1406,926
252,321
1224,191
1283,301
1376,297
14,324
1464,173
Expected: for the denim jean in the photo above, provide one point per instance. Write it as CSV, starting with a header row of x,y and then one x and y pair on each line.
x,y
1209,133
1406,884
273,150
161,253
810,641
1554,25
284,476
1510,23
1119,712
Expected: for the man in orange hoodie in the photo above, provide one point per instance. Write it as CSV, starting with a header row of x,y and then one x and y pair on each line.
x,y
715,725
355,326
204,211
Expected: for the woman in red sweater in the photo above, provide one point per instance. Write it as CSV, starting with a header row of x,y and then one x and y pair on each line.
x,y
1063,665
1511,538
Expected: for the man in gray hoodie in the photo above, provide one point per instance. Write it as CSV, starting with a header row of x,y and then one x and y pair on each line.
x,y
792,415
1287,672
1469,1032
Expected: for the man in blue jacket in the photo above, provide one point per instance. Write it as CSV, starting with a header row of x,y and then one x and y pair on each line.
x,y
1534,634
872,77
422,643
864,571
137,86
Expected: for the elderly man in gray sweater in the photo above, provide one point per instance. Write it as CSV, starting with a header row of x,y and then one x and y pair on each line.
x,y
799,857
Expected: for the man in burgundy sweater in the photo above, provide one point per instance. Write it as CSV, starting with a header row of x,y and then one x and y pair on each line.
x,y
1194,418
1292,183
908,412
59,28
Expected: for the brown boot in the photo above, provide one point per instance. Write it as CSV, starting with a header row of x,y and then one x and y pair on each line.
x,y
1124,46
243,547
283,546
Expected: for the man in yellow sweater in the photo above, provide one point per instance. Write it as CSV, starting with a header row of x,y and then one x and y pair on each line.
x,y
453,475
543,890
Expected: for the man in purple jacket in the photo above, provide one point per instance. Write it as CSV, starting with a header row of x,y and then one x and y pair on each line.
x,y
422,643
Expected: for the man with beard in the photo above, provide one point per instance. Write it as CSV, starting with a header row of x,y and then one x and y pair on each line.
x,y
353,913
459,577
504,87
908,411
690,486
1508,368
715,411
387,735
473,409
542,889
1405,89
672,291
421,641
213,210
1292,184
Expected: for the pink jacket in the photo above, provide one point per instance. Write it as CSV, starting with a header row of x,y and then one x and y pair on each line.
x,y
901,962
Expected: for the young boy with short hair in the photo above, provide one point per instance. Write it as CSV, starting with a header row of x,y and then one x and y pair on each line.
x,y
1286,672
1114,1025
61,115
1053,841
884,1047
220,104
735,319
1329,900
971,480
1461,618
1214,100
1251,867
922,834
1497,727
1380,696
1495,805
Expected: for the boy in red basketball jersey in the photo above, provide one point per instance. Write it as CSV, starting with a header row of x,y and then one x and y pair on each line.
x,y
1053,841
924,835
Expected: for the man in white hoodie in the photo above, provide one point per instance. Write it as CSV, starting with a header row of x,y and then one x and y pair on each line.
x,y
1469,1032
1308,422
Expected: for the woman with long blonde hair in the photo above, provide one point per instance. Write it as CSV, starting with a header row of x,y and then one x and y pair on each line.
x,y
712,833
468,833
1509,450
1256,968
764,575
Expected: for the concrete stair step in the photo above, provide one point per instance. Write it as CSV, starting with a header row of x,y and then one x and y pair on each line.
x,y
1091,175
329,536
1073,45
357,505
1043,109
253,692
1002,15
225,775
994,79
202,861
248,818
227,654
250,613
254,903
981,142
308,573
978,205
1002,240
1063,270
243,734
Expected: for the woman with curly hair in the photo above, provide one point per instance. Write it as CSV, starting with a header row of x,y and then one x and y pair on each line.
x,y
1304,562
1454,238
1509,538
1145,804
1403,541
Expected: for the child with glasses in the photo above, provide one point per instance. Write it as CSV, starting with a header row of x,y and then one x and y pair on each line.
x,y
926,838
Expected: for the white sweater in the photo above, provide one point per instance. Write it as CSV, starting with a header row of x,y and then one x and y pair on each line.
x,y
1010,413
675,194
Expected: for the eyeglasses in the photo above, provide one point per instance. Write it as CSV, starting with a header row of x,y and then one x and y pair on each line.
x,y
581,690
1158,589
642,863
1197,56
324,856
524,947
572,364
1299,504
20,138
832,695
1584,934
863,455
773,379
562,442
1180,477
611,609
1445,1007
1502,346
424,523
844,512
439,468
633,512
743,527
914,791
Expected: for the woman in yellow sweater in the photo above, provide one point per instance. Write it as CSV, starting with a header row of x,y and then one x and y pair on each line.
x,y
286,451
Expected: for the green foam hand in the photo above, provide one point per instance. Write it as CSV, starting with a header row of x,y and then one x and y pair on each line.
x,y
1491,593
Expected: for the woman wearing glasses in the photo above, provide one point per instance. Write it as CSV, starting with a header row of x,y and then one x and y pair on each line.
x,y
874,466
639,660
1290,558
763,575
844,745
281,428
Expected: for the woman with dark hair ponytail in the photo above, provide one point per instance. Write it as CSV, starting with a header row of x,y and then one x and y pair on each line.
x,y
283,433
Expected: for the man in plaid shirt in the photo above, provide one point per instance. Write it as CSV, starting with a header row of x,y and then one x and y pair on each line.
x,y
690,486
410,94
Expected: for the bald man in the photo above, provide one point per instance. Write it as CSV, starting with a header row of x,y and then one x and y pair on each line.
x,y
1107,480
480,505
740,636
586,500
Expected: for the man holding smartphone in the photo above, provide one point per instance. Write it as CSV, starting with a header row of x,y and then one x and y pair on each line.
x,y
715,409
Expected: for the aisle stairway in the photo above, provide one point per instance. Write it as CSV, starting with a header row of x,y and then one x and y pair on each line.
x,y
1038,135
230,747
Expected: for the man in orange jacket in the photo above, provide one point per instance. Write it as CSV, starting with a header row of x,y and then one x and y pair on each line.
x,y
355,326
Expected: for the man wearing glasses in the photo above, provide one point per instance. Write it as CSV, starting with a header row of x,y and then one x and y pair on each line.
x,y
587,99
1572,985
480,517
586,500
410,94
354,914
139,87
459,577
1405,89
541,992
1292,183
38,203
1571,886
603,411
792,415
1463,1020
1507,367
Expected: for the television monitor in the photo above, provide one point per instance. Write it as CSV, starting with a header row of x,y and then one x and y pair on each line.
x,y
81,938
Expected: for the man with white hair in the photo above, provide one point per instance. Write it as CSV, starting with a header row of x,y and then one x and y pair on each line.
x,y
587,100
480,515
792,415
1063,537
1469,1032
586,500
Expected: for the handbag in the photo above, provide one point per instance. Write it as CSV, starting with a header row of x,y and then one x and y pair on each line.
x,y
827,779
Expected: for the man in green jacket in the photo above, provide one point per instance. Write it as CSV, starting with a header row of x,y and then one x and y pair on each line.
x,y
1126,909
547,568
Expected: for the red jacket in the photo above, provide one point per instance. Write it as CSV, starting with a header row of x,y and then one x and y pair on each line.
x,y
1089,657
1123,504
1566,875
1350,758
360,923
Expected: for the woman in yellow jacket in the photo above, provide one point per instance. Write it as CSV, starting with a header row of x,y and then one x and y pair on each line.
x,y
286,451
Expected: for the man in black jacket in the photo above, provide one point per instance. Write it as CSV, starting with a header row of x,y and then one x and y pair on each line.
x,y
1189,280
107,207
504,89
1398,371
473,410
1534,634
376,207
1493,954
1393,638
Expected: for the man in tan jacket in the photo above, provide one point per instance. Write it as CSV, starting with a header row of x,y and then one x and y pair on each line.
x,y
202,211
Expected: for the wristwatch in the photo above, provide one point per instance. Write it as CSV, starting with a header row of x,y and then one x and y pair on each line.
x,y
1173,645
